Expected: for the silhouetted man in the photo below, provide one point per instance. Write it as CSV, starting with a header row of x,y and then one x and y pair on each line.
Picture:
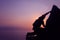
x,y
38,22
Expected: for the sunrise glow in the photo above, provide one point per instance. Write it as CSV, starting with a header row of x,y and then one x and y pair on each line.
x,y
22,13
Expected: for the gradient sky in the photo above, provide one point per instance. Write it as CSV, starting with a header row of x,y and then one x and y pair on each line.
x,y
22,13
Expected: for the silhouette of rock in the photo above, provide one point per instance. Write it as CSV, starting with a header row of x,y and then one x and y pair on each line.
x,y
53,23
52,27
53,20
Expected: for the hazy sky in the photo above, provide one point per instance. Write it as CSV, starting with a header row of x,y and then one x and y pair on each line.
x,y
22,13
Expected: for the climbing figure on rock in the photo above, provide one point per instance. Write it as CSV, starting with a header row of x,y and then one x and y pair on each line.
x,y
37,24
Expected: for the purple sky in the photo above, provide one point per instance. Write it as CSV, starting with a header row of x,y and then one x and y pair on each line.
x,y
22,13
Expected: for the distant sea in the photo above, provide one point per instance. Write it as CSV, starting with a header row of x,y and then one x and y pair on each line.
x,y
12,33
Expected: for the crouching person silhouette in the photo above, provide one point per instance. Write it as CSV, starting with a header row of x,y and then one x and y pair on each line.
x,y
40,32
37,24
